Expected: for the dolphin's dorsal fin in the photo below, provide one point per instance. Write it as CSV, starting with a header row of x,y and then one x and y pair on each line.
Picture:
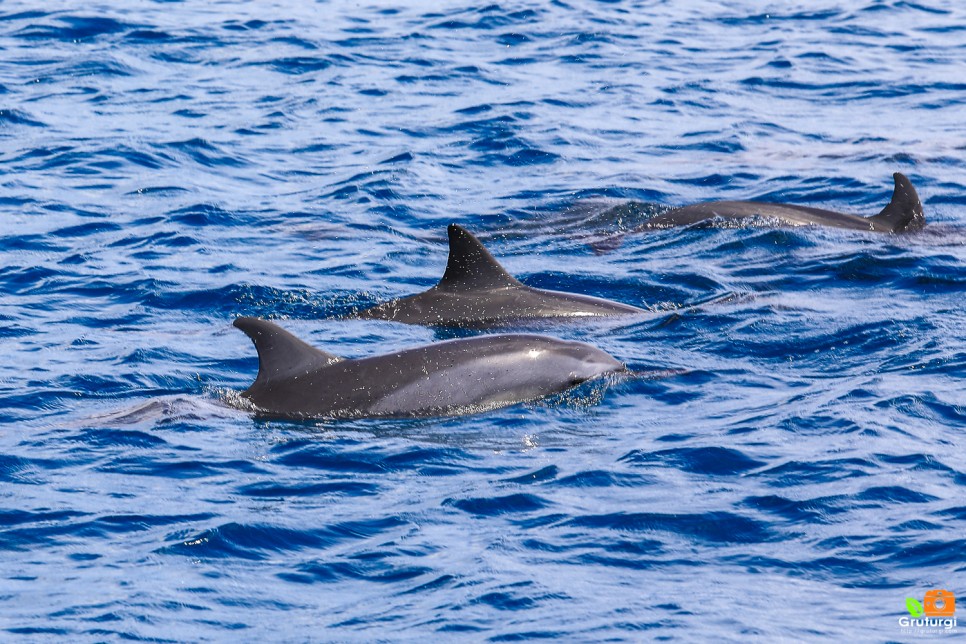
x,y
281,354
904,212
471,266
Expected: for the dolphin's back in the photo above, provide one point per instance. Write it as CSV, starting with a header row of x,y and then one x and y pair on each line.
x,y
903,213
487,372
446,378
493,307
476,291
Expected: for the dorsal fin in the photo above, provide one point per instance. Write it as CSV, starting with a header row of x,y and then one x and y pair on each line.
x,y
471,266
281,354
904,212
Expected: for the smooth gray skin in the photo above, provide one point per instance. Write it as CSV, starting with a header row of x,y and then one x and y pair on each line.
x,y
450,378
476,291
903,214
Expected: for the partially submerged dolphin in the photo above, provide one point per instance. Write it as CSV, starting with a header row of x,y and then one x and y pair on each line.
x,y
903,214
450,378
477,291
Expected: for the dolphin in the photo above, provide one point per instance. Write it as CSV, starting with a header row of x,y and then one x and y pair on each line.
x,y
476,291
456,377
903,214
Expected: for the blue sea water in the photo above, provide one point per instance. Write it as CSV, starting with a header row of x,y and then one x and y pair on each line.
x,y
167,166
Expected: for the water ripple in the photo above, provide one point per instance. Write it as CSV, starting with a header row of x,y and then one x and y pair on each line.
x,y
788,457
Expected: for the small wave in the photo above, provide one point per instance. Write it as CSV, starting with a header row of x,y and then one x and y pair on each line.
x,y
71,28
205,153
717,461
171,410
261,541
18,117
715,527
493,506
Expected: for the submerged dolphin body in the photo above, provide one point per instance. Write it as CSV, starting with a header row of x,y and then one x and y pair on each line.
x,y
903,214
450,378
476,291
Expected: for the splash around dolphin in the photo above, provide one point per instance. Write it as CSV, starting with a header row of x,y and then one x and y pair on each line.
x,y
452,378
476,291
903,214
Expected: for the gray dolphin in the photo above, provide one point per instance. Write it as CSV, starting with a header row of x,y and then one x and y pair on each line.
x,y
456,377
903,214
476,291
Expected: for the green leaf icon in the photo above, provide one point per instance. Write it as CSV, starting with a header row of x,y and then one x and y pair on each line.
x,y
914,607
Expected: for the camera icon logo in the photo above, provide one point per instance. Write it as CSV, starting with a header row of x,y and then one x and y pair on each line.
x,y
939,603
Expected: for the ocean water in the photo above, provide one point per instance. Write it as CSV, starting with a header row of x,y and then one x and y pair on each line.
x,y
167,166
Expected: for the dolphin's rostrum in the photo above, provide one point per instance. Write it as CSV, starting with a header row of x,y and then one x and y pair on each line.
x,y
476,291
903,214
469,375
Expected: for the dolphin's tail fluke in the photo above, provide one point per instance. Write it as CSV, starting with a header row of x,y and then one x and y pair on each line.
x,y
904,213
281,354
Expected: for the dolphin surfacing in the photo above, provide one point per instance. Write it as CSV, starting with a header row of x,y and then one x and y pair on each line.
x,y
456,377
903,214
476,291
